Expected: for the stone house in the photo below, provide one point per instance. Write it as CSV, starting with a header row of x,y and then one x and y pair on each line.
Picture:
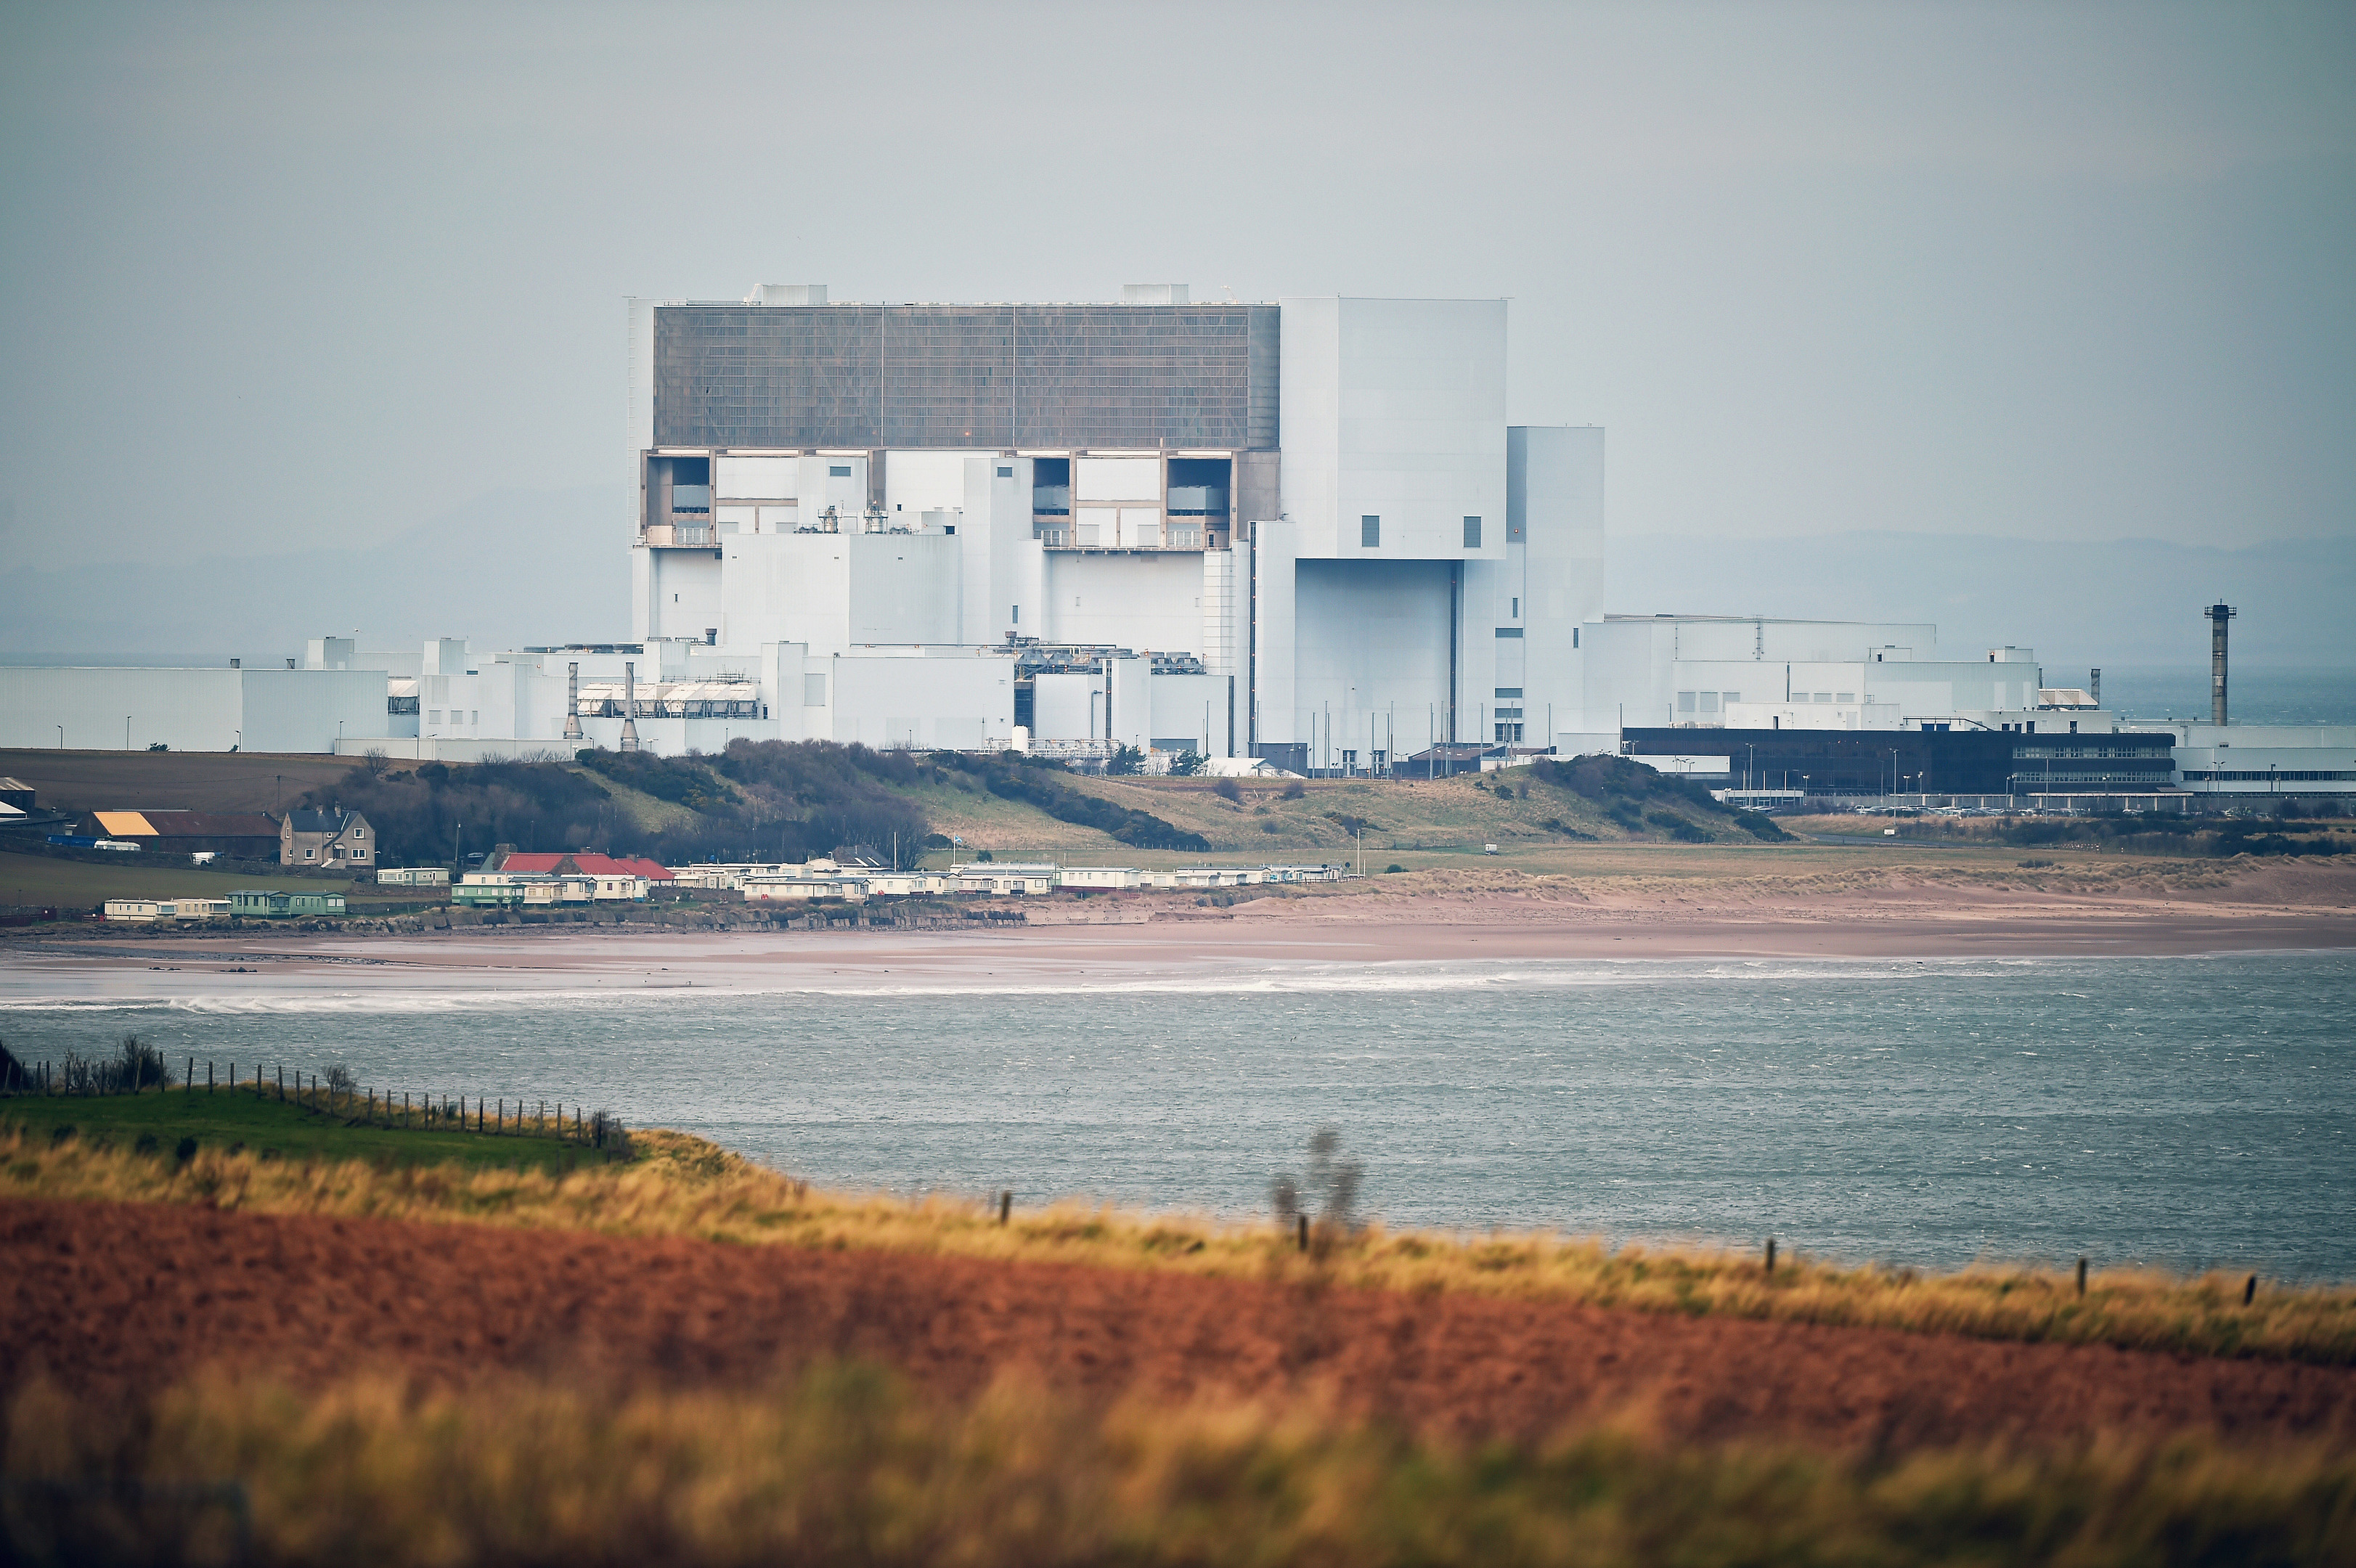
x,y
333,840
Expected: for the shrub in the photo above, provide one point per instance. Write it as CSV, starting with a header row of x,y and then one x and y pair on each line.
x,y
1227,789
1294,790
1125,760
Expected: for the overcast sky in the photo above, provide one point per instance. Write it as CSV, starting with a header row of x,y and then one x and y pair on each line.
x,y
283,277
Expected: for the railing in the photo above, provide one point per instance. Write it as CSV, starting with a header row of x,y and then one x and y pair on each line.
x,y
678,536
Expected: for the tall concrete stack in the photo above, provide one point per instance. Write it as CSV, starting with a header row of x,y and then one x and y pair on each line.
x,y
2218,616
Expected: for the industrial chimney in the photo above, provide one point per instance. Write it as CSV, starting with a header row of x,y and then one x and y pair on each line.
x,y
573,702
2218,616
629,708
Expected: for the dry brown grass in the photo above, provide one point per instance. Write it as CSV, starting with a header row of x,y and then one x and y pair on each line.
x,y
842,1464
683,1186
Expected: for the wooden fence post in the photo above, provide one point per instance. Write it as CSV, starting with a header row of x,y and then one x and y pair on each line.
x,y
1770,1257
1005,1206
2082,1277
1303,1226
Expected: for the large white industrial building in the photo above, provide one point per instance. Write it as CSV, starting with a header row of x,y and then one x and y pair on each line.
x,y
1301,530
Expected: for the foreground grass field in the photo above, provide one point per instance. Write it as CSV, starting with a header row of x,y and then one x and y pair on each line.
x,y
241,1124
844,1465
677,1185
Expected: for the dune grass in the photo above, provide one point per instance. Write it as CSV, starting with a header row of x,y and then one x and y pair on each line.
x,y
844,1465
679,1185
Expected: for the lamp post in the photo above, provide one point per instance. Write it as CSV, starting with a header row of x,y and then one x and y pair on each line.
x,y
127,731
62,737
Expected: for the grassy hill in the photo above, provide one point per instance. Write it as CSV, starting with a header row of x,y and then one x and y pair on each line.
x,y
785,801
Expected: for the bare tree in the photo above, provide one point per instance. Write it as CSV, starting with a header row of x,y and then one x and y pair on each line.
x,y
1327,1195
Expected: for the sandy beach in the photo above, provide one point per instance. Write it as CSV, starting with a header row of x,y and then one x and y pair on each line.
x,y
1487,917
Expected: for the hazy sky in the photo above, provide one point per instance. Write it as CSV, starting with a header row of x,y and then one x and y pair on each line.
x,y
281,277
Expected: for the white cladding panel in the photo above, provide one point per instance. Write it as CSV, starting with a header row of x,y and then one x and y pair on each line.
x,y
959,702
1395,409
1369,638
837,481
919,482
1192,707
187,709
837,591
1137,601
1061,708
684,593
1117,479
905,589
757,478
1554,568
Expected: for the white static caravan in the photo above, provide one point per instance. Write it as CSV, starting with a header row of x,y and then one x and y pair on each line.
x,y
1003,879
792,889
1100,878
144,910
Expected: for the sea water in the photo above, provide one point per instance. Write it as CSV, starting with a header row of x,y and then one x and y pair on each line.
x,y
2188,1111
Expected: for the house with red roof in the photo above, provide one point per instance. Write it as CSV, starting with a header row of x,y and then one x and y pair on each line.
x,y
576,863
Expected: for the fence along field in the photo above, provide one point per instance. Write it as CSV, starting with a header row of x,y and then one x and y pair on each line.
x,y
134,1095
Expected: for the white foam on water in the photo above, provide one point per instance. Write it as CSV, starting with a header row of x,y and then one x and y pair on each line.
x,y
409,994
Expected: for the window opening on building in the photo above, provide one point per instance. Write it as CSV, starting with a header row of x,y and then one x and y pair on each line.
x,y
1370,532
1513,691
839,471
1473,535
1051,486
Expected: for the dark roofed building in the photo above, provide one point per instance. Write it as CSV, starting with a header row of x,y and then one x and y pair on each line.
x,y
1922,760
239,835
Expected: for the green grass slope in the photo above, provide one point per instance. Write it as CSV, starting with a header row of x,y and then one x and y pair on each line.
x,y
225,1121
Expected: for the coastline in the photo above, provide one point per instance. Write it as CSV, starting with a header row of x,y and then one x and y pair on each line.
x,y
1110,943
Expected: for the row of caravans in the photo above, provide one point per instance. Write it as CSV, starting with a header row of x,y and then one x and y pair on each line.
x,y
246,904
821,879
546,890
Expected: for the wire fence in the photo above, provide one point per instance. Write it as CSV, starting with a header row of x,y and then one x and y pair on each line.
x,y
137,1068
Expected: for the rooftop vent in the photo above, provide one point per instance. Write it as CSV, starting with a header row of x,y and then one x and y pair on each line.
x,y
786,294
1153,293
